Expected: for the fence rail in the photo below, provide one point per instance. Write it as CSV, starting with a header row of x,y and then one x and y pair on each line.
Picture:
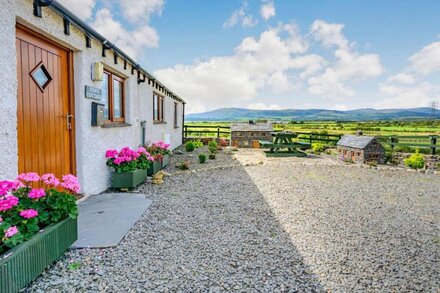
x,y
421,142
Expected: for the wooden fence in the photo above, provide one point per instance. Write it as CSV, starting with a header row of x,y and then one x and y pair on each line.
x,y
420,142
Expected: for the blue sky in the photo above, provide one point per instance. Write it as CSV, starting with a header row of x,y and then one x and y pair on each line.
x,y
272,54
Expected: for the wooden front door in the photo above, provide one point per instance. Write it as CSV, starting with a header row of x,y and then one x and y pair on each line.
x,y
44,110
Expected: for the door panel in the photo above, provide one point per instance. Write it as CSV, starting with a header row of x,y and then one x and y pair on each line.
x,y
45,143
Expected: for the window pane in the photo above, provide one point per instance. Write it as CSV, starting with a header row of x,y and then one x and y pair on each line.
x,y
117,98
105,97
155,109
161,109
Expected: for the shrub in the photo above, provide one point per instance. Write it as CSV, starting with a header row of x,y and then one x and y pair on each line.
x,y
415,161
189,146
25,210
183,165
198,143
212,146
318,147
212,156
202,158
127,160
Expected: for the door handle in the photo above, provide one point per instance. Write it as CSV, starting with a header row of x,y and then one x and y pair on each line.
x,y
68,121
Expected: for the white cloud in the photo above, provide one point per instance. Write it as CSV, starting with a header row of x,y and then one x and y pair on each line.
x,y
236,79
267,10
233,80
349,65
427,60
262,106
329,34
82,9
131,42
407,96
340,107
241,16
249,21
402,78
140,10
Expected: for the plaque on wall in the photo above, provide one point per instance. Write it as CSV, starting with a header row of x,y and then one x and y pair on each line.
x,y
93,93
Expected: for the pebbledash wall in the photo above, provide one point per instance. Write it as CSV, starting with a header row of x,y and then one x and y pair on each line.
x,y
91,142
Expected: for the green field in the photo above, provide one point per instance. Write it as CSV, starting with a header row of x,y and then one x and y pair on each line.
x,y
409,135
377,128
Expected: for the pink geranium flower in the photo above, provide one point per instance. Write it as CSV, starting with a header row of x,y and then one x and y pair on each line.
x,y
37,193
111,154
8,202
7,186
29,214
71,183
11,231
29,177
50,179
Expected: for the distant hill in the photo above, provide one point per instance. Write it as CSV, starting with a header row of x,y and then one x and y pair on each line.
x,y
237,114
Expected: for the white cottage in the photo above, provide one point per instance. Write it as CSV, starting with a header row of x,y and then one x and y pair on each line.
x,y
67,95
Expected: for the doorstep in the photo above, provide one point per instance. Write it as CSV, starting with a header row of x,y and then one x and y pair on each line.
x,y
105,219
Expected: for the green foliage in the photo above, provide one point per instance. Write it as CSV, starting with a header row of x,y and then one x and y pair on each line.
x,y
55,206
189,146
212,156
213,147
74,266
372,164
415,161
318,147
202,158
198,143
183,165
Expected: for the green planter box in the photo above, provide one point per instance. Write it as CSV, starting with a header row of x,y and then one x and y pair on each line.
x,y
129,179
154,167
165,161
25,262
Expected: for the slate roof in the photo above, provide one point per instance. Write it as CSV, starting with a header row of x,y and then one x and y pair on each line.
x,y
355,141
246,126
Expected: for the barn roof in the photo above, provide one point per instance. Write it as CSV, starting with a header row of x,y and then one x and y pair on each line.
x,y
355,141
245,126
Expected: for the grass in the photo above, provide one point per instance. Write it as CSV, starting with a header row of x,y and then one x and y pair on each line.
x,y
376,128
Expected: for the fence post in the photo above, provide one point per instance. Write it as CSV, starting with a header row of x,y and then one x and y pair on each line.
x,y
185,131
433,142
392,143
218,132
310,138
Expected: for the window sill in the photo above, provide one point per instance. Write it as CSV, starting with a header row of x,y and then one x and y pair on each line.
x,y
159,122
115,125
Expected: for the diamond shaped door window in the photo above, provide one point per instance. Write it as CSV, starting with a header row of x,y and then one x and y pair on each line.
x,y
41,76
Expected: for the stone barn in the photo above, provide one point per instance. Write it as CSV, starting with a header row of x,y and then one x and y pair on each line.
x,y
361,149
247,134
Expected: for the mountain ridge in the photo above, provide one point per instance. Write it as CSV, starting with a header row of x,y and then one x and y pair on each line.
x,y
364,114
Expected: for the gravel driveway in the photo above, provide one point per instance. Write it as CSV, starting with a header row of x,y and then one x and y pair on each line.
x,y
273,227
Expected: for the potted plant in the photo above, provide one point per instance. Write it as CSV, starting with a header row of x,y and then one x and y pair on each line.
x,y
130,166
160,151
37,225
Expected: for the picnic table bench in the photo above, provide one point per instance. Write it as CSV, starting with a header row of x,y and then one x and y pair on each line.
x,y
283,145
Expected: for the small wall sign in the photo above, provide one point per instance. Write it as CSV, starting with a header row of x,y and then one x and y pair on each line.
x,y
93,93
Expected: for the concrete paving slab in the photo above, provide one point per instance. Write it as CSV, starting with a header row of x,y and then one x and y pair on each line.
x,y
106,218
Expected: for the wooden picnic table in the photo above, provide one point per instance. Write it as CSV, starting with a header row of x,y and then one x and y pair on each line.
x,y
284,145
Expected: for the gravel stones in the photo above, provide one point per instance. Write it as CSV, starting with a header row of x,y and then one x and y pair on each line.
x,y
281,226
